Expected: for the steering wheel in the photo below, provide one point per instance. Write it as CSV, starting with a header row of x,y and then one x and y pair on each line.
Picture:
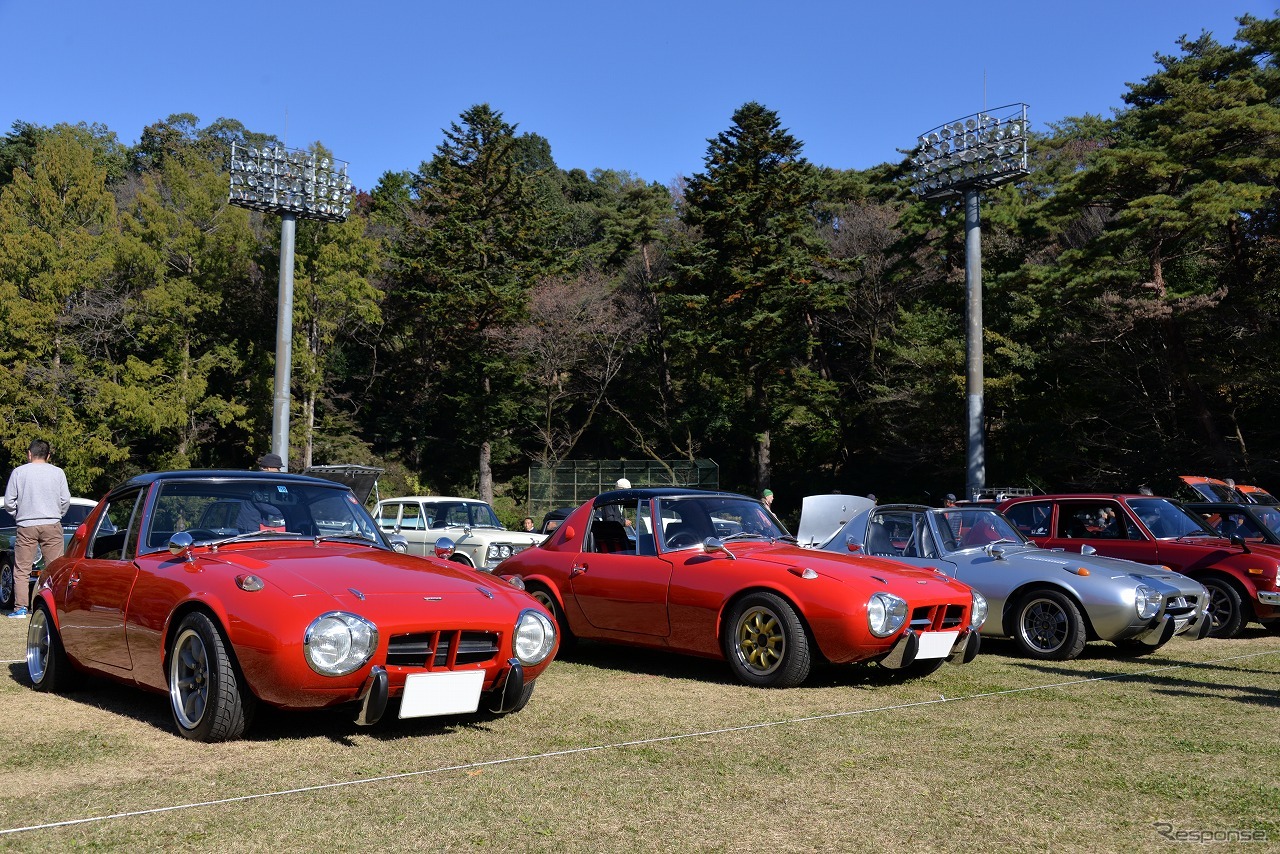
x,y
681,539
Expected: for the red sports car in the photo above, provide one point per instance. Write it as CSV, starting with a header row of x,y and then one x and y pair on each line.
x,y
717,575
224,589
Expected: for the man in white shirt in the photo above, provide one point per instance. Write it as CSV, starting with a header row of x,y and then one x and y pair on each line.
x,y
37,496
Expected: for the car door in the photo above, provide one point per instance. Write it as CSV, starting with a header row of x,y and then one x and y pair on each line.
x,y
96,597
617,580
1103,524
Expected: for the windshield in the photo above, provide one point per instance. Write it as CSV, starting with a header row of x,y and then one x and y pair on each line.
x,y
461,514
973,528
687,522
216,509
1167,520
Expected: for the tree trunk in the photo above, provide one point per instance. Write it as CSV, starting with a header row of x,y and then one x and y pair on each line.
x,y
486,473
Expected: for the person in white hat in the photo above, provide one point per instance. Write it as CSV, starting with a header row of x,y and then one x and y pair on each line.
x,y
623,483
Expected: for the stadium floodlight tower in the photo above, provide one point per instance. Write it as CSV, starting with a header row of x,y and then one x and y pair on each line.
x,y
291,183
959,160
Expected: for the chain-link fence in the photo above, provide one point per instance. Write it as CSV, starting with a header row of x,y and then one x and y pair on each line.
x,y
571,483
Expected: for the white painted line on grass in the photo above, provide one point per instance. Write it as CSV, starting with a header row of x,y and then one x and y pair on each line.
x,y
637,743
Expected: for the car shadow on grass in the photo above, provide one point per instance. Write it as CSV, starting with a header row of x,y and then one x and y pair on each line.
x,y
1166,676
269,724
655,663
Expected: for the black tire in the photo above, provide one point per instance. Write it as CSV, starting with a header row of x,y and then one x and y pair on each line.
x,y
766,643
47,663
6,581
548,601
1226,608
206,696
1048,626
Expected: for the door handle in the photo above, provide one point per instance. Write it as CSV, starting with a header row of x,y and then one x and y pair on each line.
x,y
73,580
577,569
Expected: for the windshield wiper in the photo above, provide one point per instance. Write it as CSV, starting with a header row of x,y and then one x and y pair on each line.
x,y
753,534
248,535
344,535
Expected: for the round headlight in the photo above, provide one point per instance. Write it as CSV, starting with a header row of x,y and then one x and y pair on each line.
x,y
1147,601
338,643
534,638
885,614
978,615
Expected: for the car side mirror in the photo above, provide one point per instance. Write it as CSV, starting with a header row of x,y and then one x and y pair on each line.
x,y
444,548
996,552
715,544
398,543
853,545
180,544
1088,550
1238,540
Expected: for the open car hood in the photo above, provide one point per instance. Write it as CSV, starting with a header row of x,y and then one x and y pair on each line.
x,y
823,516
361,479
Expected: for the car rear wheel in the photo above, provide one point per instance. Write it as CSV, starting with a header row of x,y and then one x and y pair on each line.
x,y
1226,608
47,663
1049,626
208,701
766,643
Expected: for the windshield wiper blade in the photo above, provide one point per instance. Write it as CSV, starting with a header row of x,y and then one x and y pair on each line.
x,y
249,535
345,535
729,537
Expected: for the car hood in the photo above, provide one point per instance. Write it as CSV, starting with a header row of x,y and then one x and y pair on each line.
x,y
823,516
909,582
1107,567
342,570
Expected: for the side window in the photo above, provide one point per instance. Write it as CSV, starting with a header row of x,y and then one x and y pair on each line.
x,y
1031,517
411,518
611,531
387,516
1090,521
111,540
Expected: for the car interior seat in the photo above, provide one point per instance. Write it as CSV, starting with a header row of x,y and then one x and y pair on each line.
x,y
878,542
609,536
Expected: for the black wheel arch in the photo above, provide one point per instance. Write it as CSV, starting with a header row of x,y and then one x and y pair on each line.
x,y
1016,596
171,633
729,604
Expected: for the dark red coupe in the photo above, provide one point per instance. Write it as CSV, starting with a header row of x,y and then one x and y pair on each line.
x,y
717,575
225,589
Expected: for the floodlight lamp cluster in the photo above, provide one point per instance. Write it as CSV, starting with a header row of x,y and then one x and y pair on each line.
x,y
979,151
283,180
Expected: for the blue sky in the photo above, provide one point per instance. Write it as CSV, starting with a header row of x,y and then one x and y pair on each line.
x,y
632,86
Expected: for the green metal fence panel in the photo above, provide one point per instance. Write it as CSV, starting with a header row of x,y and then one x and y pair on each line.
x,y
574,481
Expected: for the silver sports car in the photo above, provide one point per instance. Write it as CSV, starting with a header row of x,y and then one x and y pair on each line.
x,y
1051,602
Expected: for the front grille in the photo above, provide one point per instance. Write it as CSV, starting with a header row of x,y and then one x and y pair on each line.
x,y
442,650
1180,606
937,617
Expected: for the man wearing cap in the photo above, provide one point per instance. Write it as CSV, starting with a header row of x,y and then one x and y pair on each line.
x,y
613,512
767,498
949,500
270,462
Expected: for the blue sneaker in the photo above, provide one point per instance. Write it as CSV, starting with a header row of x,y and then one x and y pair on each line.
x,y
18,614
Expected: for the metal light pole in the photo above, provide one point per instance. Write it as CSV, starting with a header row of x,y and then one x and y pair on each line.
x,y
959,160
291,183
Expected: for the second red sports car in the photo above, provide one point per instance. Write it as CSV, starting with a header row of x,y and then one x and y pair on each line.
x,y
717,575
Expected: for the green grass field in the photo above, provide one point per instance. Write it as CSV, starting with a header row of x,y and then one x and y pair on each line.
x,y
622,750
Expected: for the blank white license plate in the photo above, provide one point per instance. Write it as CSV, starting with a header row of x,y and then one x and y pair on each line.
x,y
446,693
936,644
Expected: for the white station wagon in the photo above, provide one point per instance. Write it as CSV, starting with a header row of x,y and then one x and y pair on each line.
x,y
479,539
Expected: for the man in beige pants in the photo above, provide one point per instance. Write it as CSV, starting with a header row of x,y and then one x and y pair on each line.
x,y
38,497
